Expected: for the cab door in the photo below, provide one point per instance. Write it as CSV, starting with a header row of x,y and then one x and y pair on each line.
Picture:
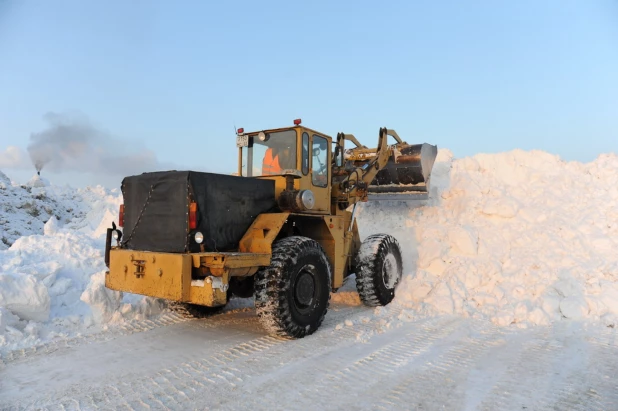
x,y
319,169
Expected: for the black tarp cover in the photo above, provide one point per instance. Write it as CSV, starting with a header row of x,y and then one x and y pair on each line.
x,y
227,205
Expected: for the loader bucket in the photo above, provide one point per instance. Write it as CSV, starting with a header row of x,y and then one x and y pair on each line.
x,y
407,173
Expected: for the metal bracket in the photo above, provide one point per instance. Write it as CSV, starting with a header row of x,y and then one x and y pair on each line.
x,y
217,282
139,267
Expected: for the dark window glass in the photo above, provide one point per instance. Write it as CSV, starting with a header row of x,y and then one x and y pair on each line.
x,y
319,161
305,154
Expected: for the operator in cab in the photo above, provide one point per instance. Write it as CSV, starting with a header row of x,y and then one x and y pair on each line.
x,y
278,158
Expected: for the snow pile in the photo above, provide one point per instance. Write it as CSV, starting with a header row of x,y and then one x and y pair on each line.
x,y
24,209
38,182
518,238
52,281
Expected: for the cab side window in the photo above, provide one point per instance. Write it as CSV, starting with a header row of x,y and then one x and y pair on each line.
x,y
319,161
305,154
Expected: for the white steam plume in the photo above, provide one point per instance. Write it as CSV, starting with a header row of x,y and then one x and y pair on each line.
x,y
71,143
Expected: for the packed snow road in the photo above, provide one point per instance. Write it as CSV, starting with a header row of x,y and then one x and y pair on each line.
x,y
357,360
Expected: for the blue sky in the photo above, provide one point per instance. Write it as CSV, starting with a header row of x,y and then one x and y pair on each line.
x,y
175,77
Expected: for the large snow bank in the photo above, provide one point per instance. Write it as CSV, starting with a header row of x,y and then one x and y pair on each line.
x,y
52,280
518,238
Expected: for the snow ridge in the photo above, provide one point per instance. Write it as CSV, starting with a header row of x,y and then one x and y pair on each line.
x,y
518,238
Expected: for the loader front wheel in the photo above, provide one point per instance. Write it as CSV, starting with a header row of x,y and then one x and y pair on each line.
x,y
293,293
379,269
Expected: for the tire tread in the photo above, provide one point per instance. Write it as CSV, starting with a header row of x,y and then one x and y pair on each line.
x,y
372,251
270,284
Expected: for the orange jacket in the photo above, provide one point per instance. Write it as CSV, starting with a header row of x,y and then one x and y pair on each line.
x,y
271,164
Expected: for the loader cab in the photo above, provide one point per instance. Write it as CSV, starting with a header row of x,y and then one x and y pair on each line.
x,y
271,154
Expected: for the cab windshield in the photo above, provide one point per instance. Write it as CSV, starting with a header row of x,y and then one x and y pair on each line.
x,y
269,157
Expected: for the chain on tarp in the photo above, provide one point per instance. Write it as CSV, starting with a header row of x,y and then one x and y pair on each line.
x,y
139,217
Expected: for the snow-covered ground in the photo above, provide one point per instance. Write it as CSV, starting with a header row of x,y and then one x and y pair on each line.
x,y
52,279
511,278
354,362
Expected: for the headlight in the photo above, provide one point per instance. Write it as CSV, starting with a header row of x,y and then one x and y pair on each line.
x,y
116,235
262,136
296,201
199,237
307,199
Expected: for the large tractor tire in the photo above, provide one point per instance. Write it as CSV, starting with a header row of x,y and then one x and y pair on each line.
x,y
189,310
292,294
379,269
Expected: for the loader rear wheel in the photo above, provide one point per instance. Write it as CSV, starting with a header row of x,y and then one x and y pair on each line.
x,y
293,293
379,269
188,310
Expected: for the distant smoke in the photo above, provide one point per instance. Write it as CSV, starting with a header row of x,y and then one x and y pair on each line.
x,y
71,143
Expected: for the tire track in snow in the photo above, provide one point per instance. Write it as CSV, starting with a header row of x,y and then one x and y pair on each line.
x,y
597,390
425,384
382,361
433,363
560,373
115,331
540,359
224,319
176,385
189,380
339,367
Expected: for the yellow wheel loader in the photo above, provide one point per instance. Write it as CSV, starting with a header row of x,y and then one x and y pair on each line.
x,y
281,230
